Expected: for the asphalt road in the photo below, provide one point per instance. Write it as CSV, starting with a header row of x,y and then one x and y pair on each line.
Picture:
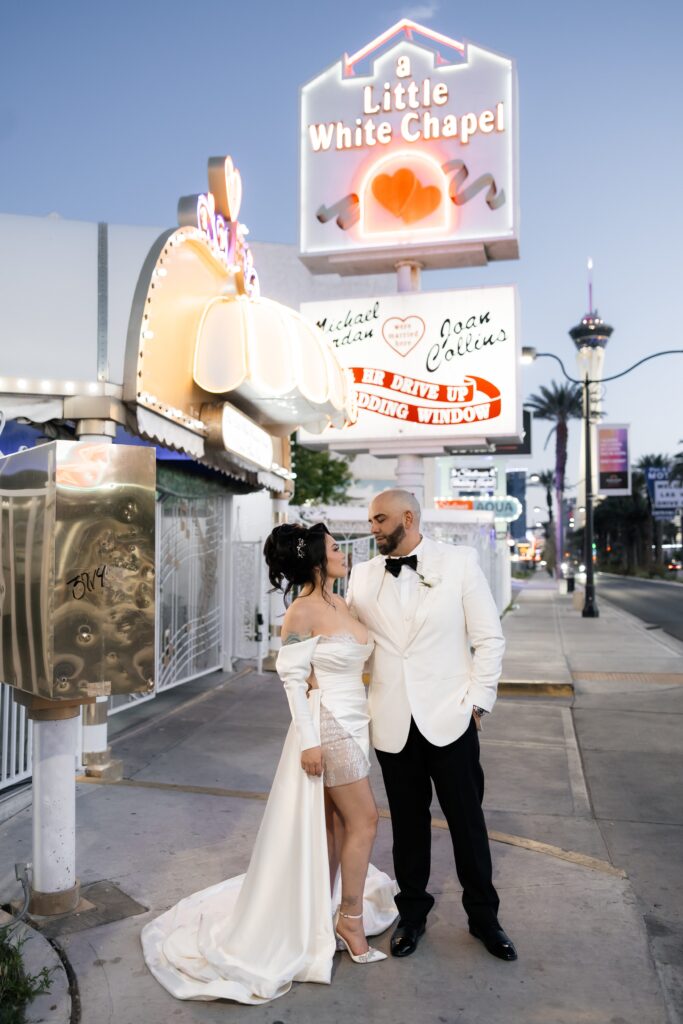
x,y
657,604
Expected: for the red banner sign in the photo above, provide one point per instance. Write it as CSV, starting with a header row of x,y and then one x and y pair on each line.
x,y
474,399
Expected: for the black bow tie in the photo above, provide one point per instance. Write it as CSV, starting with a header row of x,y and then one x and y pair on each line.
x,y
394,565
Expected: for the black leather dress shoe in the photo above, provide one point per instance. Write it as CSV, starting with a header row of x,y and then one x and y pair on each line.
x,y
496,941
405,938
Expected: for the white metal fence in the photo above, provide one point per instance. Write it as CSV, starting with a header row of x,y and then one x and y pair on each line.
x,y
358,550
249,601
15,740
190,589
191,565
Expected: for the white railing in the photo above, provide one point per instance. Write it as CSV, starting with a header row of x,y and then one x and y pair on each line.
x,y
15,740
348,524
190,560
361,549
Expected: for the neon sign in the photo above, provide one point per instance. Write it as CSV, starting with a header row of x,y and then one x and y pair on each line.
x,y
409,145
215,214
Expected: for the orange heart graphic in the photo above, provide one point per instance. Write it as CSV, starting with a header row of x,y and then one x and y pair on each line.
x,y
402,194
423,201
393,191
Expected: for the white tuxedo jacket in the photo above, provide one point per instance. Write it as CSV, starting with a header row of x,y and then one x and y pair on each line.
x,y
437,659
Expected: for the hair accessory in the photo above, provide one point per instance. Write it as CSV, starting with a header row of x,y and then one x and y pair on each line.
x,y
301,548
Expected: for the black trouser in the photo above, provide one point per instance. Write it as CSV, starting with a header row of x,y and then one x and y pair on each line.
x,y
459,781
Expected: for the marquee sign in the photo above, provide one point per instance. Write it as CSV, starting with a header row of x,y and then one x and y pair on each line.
x,y
431,370
408,151
212,367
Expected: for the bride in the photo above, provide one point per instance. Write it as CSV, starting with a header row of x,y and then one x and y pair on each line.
x,y
309,887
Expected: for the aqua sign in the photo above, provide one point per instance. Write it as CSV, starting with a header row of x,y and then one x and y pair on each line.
x,y
508,508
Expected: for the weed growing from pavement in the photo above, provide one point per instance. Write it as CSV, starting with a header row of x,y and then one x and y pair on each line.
x,y
17,987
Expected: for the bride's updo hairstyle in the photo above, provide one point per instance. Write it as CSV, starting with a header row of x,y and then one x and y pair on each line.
x,y
296,555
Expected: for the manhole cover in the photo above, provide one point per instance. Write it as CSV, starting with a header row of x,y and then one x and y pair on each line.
x,y
101,903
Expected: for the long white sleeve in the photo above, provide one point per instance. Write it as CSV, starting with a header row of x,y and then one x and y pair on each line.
x,y
294,666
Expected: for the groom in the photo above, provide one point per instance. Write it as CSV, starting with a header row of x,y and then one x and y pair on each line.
x,y
436,665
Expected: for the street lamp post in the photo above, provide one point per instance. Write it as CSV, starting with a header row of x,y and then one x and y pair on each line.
x,y
529,355
590,608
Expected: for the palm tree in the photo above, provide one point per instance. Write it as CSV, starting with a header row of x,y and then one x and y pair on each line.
x,y
546,478
655,526
621,528
558,404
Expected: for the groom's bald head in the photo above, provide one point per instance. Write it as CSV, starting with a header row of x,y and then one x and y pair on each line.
x,y
394,518
399,501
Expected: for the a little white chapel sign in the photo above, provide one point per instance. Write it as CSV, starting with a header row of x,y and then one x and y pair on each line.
x,y
409,151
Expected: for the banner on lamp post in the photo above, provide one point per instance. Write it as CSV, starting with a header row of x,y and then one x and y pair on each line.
x,y
614,463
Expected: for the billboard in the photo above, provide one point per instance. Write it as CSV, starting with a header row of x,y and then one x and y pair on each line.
x,y
614,464
409,152
432,371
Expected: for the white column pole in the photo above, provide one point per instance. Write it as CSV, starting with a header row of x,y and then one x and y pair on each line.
x,y
410,475
54,888
410,471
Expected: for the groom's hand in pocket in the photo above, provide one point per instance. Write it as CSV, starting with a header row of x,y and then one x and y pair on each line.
x,y
312,760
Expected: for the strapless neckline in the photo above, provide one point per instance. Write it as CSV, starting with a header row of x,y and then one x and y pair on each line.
x,y
349,637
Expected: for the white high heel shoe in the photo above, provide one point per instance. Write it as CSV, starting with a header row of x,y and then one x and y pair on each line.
x,y
373,956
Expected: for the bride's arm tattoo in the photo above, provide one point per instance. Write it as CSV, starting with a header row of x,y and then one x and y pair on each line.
x,y
295,638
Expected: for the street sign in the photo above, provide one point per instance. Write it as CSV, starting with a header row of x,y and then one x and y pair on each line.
x,y
652,474
668,494
466,480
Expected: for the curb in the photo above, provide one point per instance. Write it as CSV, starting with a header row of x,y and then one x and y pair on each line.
x,y
640,579
54,1006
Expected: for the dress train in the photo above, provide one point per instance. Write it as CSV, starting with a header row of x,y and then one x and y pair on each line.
x,y
249,937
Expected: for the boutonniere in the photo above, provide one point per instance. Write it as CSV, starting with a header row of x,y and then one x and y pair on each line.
x,y
428,579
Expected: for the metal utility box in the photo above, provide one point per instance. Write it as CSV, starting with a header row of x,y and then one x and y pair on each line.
x,y
77,590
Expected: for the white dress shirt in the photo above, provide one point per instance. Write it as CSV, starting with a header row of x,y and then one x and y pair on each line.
x,y
407,581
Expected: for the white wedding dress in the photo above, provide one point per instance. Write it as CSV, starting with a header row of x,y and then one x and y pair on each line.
x,y
248,938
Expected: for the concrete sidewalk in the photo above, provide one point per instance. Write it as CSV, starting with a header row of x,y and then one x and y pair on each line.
x,y
577,792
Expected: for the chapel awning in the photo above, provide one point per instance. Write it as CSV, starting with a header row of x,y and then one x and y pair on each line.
x,y
273,359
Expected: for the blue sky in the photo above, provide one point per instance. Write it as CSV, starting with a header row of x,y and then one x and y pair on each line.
x,y
109,112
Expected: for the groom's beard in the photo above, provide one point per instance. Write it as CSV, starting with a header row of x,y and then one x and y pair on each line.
x,y
392,540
